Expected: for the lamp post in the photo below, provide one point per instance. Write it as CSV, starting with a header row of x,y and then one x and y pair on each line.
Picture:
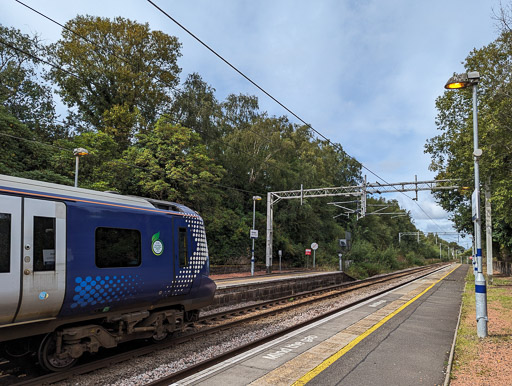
x,y
471,79
78,152
253,232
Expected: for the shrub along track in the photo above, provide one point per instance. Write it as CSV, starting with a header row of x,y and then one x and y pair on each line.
x,y
216,323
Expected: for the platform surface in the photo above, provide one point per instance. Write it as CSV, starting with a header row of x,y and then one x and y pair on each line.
x,y
248,280
400,338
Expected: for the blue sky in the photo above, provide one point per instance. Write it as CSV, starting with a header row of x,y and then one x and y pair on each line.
x,y
364,73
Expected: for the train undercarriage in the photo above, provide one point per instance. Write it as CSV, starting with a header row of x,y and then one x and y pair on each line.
x,y
61,349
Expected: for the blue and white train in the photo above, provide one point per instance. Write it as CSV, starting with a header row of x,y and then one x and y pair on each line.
x,y
81,269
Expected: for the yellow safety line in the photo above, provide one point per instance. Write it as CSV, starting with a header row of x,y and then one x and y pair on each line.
x,y
329,361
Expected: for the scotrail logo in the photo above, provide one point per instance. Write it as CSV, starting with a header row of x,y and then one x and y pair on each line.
x,y
156,244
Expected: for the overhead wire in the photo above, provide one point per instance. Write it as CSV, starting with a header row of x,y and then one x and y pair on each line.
x,y
37,58
101,47
220,57
60,68
275,99
126,60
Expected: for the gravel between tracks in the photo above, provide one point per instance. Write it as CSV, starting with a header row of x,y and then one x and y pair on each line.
x,y
154,366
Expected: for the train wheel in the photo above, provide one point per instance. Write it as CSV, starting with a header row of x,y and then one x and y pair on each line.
x,y
158,337
48,359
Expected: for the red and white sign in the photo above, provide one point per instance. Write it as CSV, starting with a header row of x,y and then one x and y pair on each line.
x,y
308,252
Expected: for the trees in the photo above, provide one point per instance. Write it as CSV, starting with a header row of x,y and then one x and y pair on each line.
x,y
197,108
119,74
22,92
147,137
451,150
172,164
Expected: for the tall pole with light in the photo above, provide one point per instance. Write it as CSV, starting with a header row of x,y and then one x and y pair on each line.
x,y
471,79
254,233
78,152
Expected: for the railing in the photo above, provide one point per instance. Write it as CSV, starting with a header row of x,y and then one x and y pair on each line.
x,y
503,267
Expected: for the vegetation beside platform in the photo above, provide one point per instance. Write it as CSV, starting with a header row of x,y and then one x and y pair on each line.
x,y
485,361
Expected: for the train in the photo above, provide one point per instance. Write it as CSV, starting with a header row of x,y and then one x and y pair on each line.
x,y
82,270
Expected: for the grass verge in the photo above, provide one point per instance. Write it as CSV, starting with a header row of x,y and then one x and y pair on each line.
x,y
485,361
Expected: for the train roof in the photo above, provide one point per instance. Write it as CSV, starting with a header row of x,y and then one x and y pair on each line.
x,y
23,185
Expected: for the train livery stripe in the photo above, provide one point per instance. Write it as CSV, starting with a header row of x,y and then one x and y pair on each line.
x,y
329,361
94,202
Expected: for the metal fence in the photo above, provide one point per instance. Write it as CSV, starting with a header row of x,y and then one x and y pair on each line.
x,y
503,267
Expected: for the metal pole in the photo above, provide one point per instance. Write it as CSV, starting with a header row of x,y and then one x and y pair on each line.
x,y
475,265
253,227
480,286
76,172
314,258
488,229
269,232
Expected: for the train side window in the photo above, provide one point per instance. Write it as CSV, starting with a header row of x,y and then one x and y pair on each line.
x,y
117,247
5,242
183,248
44,243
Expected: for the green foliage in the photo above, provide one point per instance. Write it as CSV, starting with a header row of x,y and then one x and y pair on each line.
x,y
124,74
197,108
19,157
172,165
452,149
211,155
21,91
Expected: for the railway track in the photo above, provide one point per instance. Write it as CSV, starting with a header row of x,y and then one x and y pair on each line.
x,y
227,320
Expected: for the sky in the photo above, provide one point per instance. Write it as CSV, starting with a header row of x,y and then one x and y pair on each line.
x,y
363,73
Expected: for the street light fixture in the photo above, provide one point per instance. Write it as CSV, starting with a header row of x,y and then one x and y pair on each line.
x,y
458,81
78,152
254,232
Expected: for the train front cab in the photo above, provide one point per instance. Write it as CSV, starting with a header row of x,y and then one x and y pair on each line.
x,y
49,248
34,230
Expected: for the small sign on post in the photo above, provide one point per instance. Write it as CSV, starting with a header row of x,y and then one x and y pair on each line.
x,y
475,205
254,233
314,247
307,253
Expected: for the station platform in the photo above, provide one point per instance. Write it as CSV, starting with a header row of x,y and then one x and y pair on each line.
x,y
231,291
274,277
403,337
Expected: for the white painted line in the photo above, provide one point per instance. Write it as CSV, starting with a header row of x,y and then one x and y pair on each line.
x,y
376,304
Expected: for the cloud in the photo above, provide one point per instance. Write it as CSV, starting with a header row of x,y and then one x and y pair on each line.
x,y
364,73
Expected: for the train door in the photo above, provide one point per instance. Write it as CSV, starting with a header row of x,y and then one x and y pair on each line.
x,y
44,259
183,272
10,256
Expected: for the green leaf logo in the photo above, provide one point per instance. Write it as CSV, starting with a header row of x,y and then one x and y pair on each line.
x,y
156,244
